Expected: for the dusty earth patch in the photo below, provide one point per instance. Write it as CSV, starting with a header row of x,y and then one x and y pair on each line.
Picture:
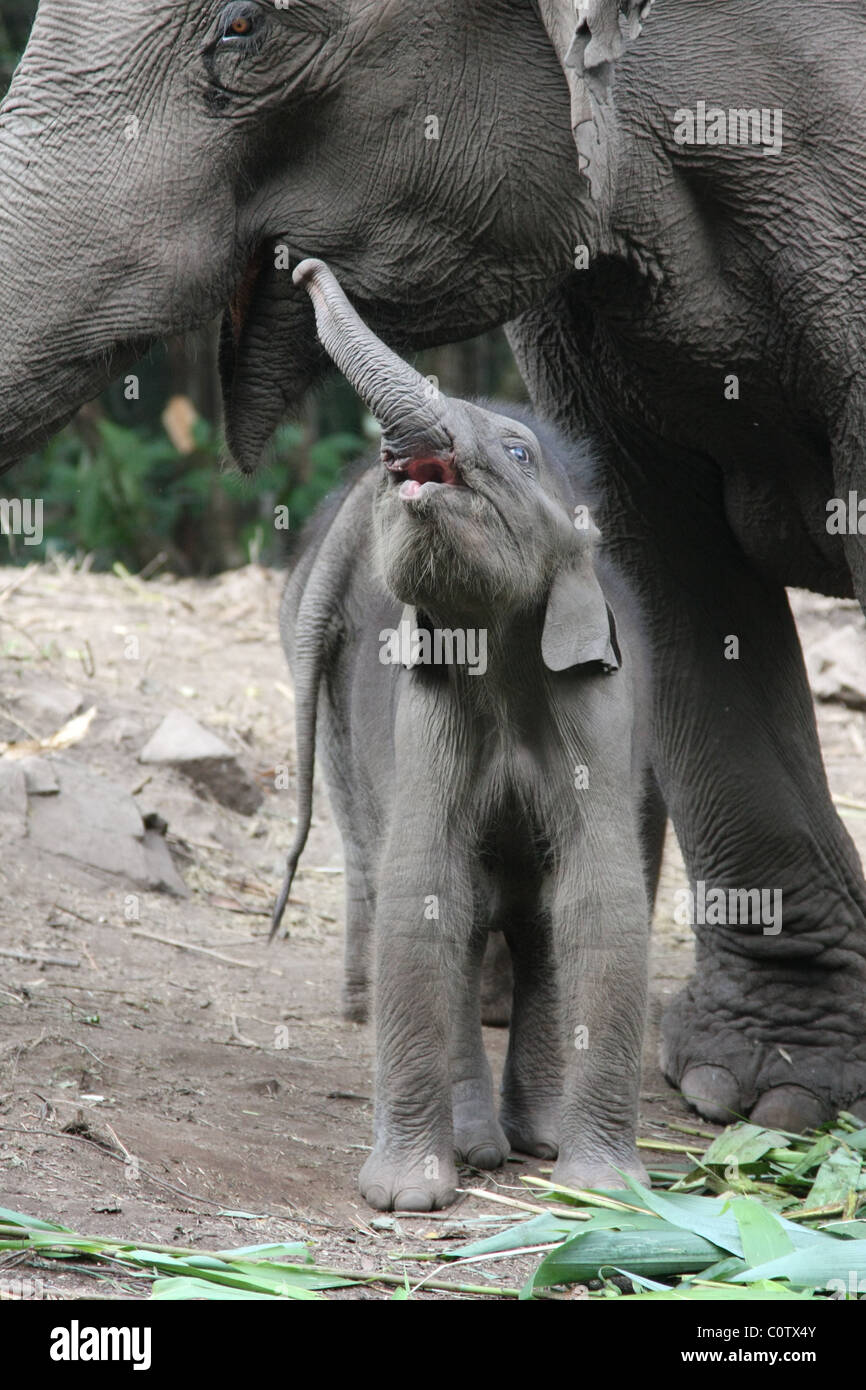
x,y
161,1068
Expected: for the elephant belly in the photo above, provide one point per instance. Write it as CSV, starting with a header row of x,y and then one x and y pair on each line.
x,y
784,534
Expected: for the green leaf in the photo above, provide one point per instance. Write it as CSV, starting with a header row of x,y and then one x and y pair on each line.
x,y
551,1227
642,1282
764,1292
185,1289
743,1144
267,1252
262,1277
838,1175
708,1217
539,1230
763,1235
832,1260
666,1250
17,1218
712,1218
853,1230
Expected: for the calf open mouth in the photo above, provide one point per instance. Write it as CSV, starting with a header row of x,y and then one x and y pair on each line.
x,y
413,474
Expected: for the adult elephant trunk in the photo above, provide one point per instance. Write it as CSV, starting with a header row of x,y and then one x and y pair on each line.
x,y
48,363
107,240
407,405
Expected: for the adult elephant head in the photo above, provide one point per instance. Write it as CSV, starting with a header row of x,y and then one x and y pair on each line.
x,y
162,159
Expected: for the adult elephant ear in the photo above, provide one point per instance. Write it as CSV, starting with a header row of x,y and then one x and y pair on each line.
x,y
589,36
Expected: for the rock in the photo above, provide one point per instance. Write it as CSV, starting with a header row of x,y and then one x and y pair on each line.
x,y
159,866
181,742
13,801
837,667
96,822
40,777
49,703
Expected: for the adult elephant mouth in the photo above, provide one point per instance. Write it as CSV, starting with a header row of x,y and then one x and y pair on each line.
x,y
241,301
270,354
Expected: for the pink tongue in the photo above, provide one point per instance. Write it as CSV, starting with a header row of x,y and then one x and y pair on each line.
x,y
410,488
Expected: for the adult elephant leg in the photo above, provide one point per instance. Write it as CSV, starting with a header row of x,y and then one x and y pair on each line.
x,y
773,1024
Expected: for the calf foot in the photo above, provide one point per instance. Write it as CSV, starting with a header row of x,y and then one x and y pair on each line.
x,y
482,1145
532,1129
784,1044
479,1139
394,1180
356,994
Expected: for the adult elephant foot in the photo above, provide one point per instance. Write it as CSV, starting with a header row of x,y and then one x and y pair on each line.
x,y
786,1048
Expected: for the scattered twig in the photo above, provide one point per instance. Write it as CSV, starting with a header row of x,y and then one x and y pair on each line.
x,y
500,1197
87,660
237,1035
199,950
26,573
30,957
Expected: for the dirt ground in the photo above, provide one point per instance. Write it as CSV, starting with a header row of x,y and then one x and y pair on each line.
x,y
169,1094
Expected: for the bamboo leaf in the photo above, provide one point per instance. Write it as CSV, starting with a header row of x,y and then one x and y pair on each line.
x,y
743,1144
838,1174
186,1289
763,1235
819,1267
666,1250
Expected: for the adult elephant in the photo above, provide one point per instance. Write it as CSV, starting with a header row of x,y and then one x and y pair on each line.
x,y
700,308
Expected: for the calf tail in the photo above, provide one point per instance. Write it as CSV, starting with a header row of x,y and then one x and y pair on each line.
x,y
323,591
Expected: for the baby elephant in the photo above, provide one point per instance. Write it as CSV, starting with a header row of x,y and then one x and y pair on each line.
x,y
446,624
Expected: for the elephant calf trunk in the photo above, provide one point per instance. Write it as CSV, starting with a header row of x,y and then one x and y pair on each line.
x,y
401,399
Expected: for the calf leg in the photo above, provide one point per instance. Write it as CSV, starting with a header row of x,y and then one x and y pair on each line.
x,y
532,1080
478,1137
423,922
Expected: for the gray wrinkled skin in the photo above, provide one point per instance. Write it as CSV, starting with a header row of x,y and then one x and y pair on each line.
x,y
150,162
456,790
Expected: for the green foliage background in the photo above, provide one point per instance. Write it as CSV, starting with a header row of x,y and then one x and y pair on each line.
x,y
114,487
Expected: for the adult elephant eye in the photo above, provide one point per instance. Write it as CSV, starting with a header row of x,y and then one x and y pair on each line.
x,y
239,22
519,454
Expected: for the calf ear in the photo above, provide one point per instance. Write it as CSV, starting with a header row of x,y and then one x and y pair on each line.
x,y
589,36
579,627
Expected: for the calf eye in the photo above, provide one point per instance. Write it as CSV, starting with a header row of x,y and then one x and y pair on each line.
x,y
519,454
